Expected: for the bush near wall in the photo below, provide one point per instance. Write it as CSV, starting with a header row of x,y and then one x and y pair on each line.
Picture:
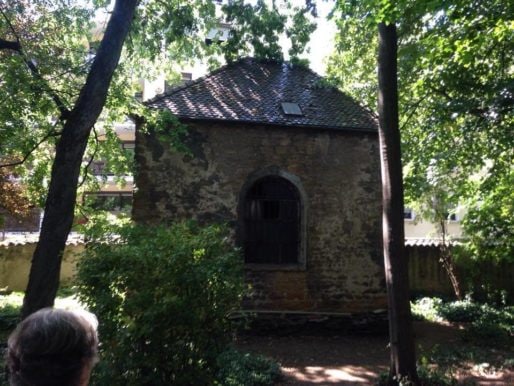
x,y
163,297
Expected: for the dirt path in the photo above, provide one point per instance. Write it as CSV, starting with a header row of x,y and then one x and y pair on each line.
x,y
354,360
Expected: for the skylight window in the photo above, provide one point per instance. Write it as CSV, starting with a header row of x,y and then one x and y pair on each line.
x,y
291,108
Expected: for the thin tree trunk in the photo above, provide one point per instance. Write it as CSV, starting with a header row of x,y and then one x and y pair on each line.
x,y
60,203
446,260
403,361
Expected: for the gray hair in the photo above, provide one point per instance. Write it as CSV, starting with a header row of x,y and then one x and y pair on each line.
x,y
52,347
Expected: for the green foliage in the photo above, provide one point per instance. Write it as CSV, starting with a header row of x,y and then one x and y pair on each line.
x,y
11,302
487,335
252,30
433,377
449,359
485,322
427,309
489,223
456,101
58,42
428,376
246,369
461,310
10,307
168,128
55,41
163,297
256,29
300,31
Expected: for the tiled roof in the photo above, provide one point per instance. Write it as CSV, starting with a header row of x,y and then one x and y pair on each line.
x,y
252,91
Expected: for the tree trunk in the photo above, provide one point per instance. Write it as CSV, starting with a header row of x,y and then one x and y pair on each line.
x,y
60,203
446,260
403,361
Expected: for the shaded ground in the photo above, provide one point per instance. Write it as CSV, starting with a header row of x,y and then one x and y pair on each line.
x,y
358,360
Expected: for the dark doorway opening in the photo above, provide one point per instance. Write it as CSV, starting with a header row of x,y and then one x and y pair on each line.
x,y
272,215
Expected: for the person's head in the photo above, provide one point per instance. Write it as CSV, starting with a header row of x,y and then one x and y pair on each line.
x,y
53,347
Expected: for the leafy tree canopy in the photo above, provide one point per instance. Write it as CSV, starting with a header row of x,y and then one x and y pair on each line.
x,y
456,89
12,199
52,46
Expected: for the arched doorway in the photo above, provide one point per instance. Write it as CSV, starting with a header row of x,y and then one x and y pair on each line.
x,y
272,218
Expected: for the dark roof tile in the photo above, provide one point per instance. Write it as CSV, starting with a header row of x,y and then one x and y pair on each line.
x,y
252,91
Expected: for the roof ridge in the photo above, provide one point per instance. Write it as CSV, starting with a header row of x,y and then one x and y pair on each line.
x,y
224,67
196,81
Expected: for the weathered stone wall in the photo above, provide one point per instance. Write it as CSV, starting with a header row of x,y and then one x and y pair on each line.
x,y
340,174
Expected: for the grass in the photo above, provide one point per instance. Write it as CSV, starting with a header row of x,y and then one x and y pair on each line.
x,y
10,308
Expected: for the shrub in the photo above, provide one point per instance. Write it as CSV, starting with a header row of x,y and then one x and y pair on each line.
x,y
427,377
10,308
485,322
427,309
460,311
434,377
163,297
238,369
495,326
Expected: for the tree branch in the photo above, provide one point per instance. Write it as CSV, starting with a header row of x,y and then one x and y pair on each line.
x,y
441,92
51,133
34,70
411,114
84,178
9,45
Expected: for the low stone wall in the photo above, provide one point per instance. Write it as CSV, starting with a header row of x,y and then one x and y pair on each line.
x,y
15,264
426,274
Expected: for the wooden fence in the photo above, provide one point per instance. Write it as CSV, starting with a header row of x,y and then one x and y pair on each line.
x,y
428,277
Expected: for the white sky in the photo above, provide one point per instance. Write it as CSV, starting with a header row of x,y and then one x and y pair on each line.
x,y
322,40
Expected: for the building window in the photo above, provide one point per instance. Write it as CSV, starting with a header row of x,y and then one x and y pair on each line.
x,y
115,202
291,108
28,222
408,214
186,77
272,222
451,216
129,148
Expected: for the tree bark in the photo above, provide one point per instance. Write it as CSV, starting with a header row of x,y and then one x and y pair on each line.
x,y
60,203
403,360
447,260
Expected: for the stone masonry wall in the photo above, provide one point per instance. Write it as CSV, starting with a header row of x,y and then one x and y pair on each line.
x,y
340,174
